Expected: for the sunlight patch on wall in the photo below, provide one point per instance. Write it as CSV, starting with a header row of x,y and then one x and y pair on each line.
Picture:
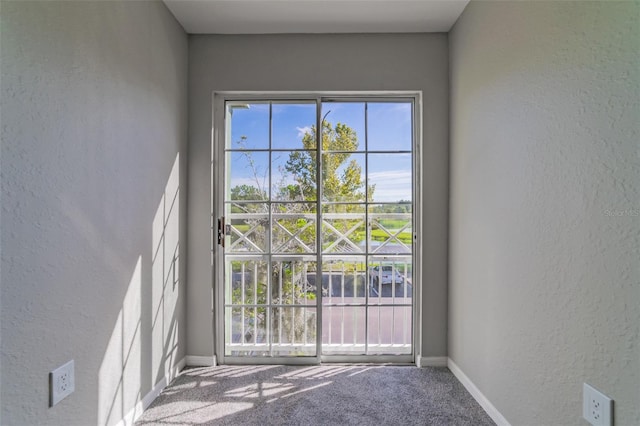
x,y
165,278
119,384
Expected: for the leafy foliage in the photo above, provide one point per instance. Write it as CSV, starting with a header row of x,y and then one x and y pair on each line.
x,y
247,192
338,143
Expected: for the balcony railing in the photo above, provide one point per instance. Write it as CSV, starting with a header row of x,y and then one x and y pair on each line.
x,y
364,311
389,233
366,281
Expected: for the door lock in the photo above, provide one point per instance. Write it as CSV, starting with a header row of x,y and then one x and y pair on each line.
x,y
221,230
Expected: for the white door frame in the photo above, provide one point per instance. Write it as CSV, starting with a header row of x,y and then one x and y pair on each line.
x,y
218,140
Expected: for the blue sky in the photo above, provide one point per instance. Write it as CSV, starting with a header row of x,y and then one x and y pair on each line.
x,y
389,129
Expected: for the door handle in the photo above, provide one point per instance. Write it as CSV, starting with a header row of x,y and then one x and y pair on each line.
x,y
221,231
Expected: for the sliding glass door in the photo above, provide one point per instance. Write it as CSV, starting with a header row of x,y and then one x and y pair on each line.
x,y
367,232
316,229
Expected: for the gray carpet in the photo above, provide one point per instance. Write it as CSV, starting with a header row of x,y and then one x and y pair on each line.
x,y
317,395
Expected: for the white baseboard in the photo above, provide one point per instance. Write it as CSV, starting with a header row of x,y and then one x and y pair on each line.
x,y
135,413
484,402
201,361
432,361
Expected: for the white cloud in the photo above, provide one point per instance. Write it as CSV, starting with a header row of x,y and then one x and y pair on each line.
x,y
303,130
391,175
392,185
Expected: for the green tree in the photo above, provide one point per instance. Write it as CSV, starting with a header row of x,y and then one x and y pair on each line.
x,y
247,192
346,185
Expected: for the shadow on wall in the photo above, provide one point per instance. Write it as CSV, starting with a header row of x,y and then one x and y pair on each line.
x,y
120,377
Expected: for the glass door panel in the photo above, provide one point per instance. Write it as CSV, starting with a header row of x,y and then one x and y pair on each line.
x,y
270,228
318,229
367,232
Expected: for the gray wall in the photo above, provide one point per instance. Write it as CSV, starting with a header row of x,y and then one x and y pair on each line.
x,y
320,63
94,125
545,206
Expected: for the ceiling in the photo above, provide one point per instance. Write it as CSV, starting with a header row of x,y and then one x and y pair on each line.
x,y
315,16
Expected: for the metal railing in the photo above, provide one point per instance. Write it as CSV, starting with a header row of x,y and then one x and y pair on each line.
x,y
365,311
250,232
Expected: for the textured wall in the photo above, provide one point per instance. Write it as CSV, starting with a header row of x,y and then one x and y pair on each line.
x,y
94,124
545,206
320,63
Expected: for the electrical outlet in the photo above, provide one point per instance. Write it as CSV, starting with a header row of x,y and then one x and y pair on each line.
x,y
597,408
61,383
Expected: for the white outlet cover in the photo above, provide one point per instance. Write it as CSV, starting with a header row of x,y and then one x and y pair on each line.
x,y
62,383
597,408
